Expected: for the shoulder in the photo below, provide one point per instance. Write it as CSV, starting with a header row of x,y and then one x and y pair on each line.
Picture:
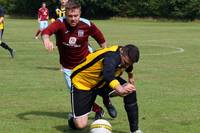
x,y
61,19
112,57
40,9
85,21
1,12
113,52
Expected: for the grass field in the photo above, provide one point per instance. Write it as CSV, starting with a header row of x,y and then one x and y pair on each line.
x,y
34,98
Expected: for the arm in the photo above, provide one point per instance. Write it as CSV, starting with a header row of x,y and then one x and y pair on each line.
x,y
47,43
46,33
39,16
47,14
98,36
130,78
111,61
1,19
129,71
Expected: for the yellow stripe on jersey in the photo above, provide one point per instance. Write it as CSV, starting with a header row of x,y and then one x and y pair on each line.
x,y
1,24
114,83
88,74
60,12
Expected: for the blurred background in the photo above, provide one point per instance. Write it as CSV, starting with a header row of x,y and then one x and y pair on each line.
x,y
103,9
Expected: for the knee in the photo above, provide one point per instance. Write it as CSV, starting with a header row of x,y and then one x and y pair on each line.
x,y
131,98
80,123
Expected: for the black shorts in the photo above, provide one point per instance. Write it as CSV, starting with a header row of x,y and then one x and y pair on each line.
x,y
82,101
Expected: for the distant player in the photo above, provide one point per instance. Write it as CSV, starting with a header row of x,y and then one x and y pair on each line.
x,y
59,11
43,16
3,44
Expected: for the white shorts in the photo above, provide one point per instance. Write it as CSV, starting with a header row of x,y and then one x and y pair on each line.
x,y
43,24
67,74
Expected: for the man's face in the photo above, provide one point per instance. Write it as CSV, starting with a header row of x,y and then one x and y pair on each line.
x,y
125,61
63,2
43,5
73,16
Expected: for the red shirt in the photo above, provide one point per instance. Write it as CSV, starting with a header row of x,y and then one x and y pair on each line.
x,y
43,14
72,42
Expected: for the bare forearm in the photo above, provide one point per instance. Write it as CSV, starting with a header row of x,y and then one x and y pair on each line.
x,y
130,78
45,37
1,19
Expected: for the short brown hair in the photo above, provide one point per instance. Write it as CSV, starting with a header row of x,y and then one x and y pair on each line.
x,y
72,4
132,52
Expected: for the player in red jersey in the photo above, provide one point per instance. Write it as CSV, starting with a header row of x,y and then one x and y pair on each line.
x,y
43,16
72,33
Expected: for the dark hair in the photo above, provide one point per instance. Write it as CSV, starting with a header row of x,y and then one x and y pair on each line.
x,y
72,4
132,52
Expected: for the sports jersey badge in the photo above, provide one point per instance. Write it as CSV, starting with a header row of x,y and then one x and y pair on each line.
x,y
80,33
72,41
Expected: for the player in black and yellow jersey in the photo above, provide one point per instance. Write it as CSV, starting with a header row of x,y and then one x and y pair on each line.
x,y
3,44
59,11
100,73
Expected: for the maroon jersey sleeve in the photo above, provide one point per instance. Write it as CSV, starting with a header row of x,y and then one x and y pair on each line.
x,y
39,13
52,28
47,14
96,34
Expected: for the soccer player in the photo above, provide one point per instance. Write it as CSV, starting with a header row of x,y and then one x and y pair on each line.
x,y
43,16
59,11
101,73
72,34
3,44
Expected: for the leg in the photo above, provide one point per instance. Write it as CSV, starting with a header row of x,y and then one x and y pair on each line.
x,y
104,93
98,110
67,74
131,108
95,108
5,46
41,25
82,102
37,33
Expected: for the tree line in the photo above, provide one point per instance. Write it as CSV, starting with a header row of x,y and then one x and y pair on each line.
x,y
170,9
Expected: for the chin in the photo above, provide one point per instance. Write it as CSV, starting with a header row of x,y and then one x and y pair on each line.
x,y
73,25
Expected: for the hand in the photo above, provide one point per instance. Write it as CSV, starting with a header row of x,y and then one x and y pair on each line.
x,y
125,89
47,43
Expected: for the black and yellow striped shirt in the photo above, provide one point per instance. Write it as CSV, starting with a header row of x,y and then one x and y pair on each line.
x,y
100,67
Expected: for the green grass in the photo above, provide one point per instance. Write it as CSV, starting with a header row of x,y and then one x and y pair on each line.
x,y
33,94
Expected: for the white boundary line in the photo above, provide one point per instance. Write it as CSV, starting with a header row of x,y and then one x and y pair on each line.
x,y
177,49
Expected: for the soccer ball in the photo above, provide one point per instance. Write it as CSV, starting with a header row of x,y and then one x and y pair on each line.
x,y
100,126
